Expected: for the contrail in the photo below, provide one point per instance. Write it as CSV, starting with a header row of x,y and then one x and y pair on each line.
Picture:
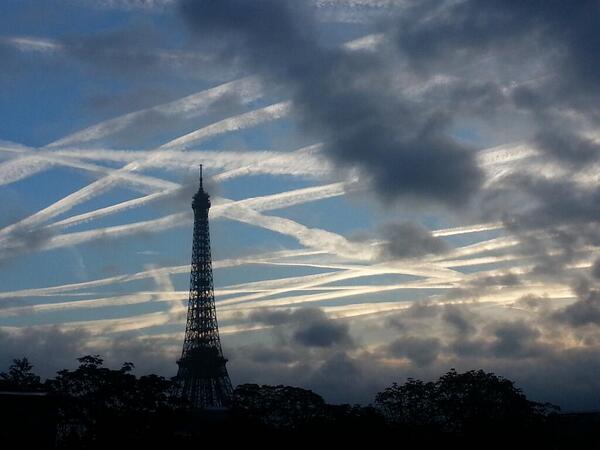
x,y
277,200
480,247
249,119
467,229
107,182
33,44
307,162
127,176
17,169
350,310
369,42
246,89
227,208
170,270
66,204
173,296
228,160
108,210
291,284
150,320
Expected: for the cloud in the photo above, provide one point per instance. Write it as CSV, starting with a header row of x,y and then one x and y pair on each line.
x,y
456,32
568,147
421,351
123,50
447,78
514,340
49,349
322,333
596,269
25,240
584,311
514,349
529,61
342,97
339,375
505,279
268,355
311,326
408,240
460,319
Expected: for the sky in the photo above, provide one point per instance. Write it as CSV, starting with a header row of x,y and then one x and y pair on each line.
x,y
399,188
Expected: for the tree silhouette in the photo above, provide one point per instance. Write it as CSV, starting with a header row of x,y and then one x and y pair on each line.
x,y
98,407
282,407
412,403
20,376
478,399
268,411
471,402
98,403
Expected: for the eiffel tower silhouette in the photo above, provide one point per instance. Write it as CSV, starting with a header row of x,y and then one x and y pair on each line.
x,y
202,376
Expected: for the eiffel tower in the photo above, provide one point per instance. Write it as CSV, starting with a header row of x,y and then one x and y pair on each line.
x,y
202,376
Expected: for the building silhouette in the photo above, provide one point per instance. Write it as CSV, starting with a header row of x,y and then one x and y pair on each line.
x,y
202,377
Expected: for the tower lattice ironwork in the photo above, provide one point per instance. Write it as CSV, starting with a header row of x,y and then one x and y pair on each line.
x,y
203,378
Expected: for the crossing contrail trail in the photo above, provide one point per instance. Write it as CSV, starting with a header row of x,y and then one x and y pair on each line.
x,y
344,263
246,89
237,210
170,270
102,184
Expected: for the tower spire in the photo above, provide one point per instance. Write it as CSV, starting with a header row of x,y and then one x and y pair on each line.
x,y
202,376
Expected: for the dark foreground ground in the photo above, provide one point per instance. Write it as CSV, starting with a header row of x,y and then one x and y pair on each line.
x,y
32,420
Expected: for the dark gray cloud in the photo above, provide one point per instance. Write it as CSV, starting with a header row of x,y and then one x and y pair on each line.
x,y
460,319
505,279
530,351
568,147
48,349
408,240
421,351
322,333
585,310
498,60
342,98
341,374
474,288
459,31
559,224
51,349
126,50
269,355
140,49
596,269
557,202
515,340
25,239
272,316
532,303
511,349
538,58
419,312
310,326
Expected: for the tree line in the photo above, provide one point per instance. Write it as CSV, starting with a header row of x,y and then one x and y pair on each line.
x,y
96,407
